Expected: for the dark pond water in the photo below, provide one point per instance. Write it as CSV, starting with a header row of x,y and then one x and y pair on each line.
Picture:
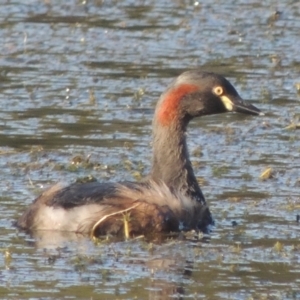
x,y
78,84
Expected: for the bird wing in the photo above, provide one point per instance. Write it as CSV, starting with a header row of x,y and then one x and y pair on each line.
x,y
94,192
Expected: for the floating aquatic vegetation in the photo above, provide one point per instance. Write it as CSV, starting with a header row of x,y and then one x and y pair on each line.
x,y
267,174
278,247
293,126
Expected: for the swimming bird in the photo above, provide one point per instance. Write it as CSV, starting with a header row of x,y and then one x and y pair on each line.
x,y
169,198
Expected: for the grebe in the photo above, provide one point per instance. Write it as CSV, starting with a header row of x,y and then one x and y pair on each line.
x,y
170,198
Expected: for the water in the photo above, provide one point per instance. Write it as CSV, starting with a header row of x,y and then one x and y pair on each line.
x,y
79,82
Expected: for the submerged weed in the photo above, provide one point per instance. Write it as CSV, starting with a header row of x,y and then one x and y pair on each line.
x,y
220,171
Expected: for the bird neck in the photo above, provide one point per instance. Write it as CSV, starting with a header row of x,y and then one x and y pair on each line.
x,y
171,163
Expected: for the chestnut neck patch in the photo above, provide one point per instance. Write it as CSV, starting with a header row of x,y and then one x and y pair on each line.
x,y
169,108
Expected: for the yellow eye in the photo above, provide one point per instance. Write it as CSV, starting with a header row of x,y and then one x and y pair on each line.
x,y
218,90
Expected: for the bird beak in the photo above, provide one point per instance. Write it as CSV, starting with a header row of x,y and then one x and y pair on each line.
x,y
236,103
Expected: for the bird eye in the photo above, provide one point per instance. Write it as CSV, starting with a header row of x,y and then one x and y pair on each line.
x,y
218,90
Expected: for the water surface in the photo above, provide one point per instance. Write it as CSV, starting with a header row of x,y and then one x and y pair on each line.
x,y
79,82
